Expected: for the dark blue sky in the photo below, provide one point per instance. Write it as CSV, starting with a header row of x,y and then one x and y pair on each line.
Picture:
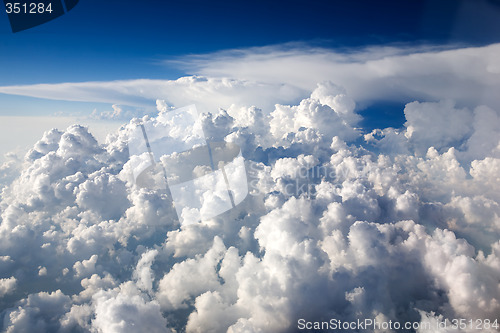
x,y
109,40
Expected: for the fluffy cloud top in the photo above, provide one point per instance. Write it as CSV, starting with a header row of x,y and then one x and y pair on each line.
x,y
396,224
7,286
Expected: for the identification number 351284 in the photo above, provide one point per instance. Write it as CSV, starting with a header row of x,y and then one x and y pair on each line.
x,y
28,8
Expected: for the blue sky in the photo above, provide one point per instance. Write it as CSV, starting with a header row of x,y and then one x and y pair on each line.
x,y
109,40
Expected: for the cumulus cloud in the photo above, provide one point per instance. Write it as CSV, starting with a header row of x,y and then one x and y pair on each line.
x,y
436,124
394,224
9,169
125,310
7,286
37,313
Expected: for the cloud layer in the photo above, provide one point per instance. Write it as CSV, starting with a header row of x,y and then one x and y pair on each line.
x,y
396,224
268,75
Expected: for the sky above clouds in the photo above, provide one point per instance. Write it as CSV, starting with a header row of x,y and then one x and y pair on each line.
x,y
117,40
371,138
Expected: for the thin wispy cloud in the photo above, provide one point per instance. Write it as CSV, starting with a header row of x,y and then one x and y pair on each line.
x,y
284,74
209,92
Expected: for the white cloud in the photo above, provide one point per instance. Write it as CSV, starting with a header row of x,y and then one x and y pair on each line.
x,y
18,134
436,124
207,93
7,286
190,278
37,313
126,311
335,227
144,273
85,267
95,191
486,137
9,169
263,77
375,73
